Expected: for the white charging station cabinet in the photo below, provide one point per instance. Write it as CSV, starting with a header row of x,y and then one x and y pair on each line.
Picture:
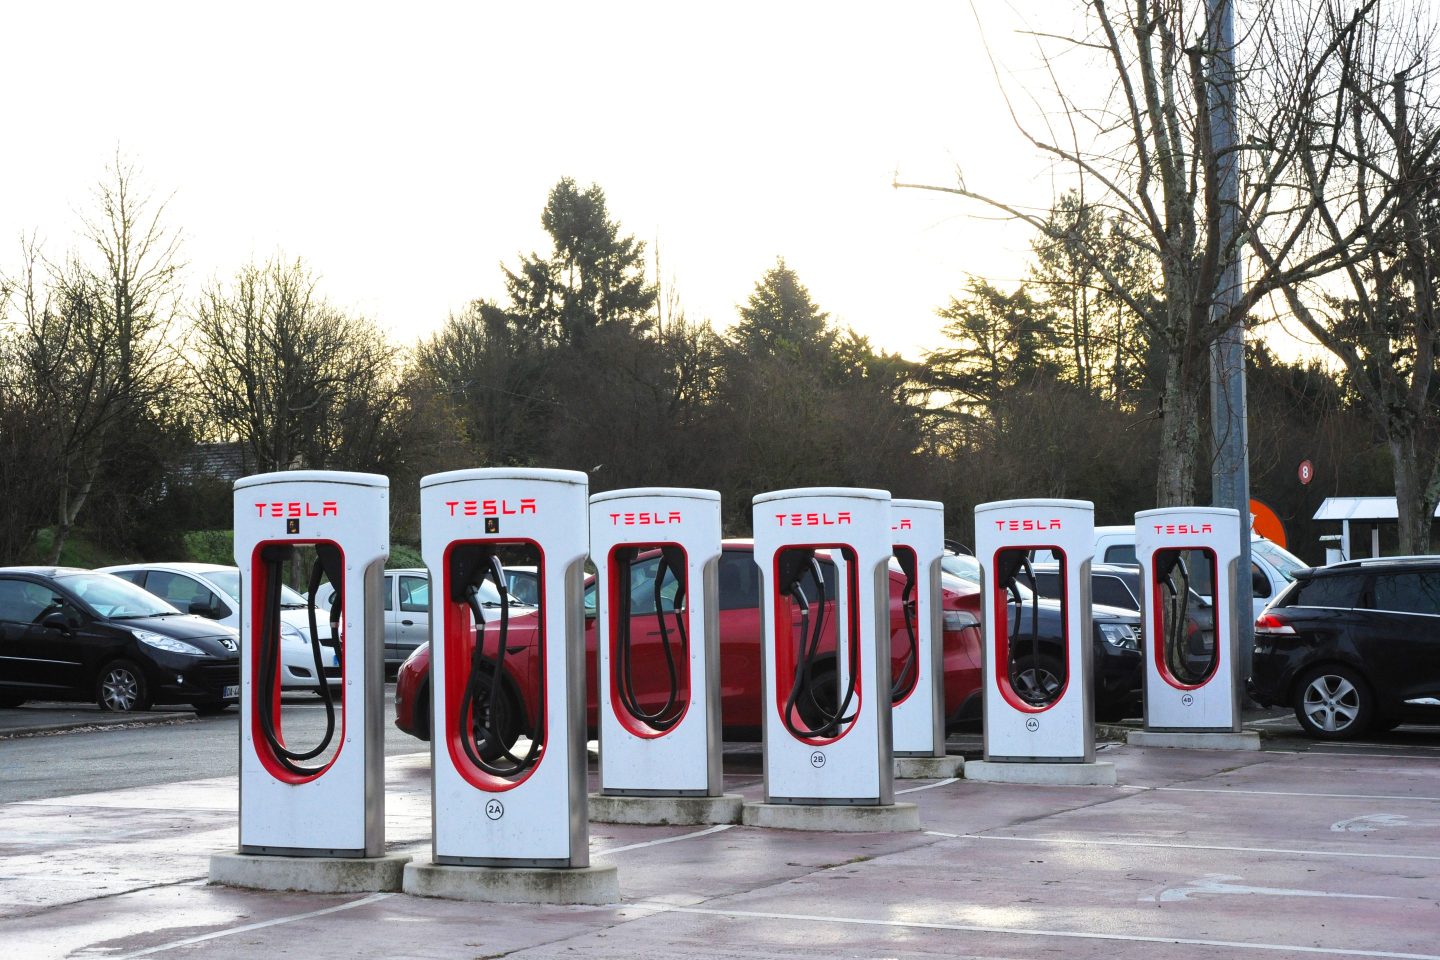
x,y
1038,696
851,763
536,818
918,716
1192,683
673,747
339,810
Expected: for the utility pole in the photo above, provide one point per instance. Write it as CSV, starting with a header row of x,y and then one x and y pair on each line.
x,y
1230,481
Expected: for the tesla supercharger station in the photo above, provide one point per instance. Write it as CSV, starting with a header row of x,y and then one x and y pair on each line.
x,y
1192,681
917,712
825,691
312,798
1038,694
507,690
656,553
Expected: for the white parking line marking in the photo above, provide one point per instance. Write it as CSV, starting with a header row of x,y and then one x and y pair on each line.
x,y
1356,854
1219,883
1064,934
174,944
653,843
930,786
1292,793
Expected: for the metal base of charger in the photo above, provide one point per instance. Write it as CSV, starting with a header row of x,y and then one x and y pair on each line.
x,y
928,768
588,885
665,811
310,874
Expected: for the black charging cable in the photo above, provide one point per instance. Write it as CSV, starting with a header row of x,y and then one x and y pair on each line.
x,y
904,682
672,562
482,710
1034,694
1175,608
327,566
828,718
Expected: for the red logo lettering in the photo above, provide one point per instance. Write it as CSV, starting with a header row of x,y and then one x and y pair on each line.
x,y
1183,529
1027,526
840,518
492,508
902,525
298,508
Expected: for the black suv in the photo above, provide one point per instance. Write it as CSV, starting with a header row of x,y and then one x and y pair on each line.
x,y
69,634
1353,647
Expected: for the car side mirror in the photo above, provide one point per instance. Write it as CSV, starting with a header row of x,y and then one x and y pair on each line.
x,y
1259,584
56,621
201,608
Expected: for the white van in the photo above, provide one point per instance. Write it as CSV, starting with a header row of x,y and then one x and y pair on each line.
x,y
1272,567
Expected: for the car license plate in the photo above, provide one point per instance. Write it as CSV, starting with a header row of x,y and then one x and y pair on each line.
x,y
231,692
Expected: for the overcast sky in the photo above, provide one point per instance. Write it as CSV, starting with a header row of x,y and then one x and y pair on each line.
x,y
405,150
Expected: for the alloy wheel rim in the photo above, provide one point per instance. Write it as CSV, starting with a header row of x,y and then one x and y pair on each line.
x,y
1037,685
120,690
1332,703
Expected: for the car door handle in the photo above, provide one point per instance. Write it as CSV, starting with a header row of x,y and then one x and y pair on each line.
x,y
407,623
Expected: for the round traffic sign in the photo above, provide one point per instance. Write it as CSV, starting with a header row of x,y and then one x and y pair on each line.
x,y
1307,471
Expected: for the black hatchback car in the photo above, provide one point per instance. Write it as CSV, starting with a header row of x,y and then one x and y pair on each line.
x,y
69,634
1353,647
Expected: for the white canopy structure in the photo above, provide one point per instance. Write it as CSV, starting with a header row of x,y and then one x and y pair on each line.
x,y
1348,510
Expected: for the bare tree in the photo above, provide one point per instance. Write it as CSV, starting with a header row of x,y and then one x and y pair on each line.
x,y
1145,155
1382,131
295,380
94,341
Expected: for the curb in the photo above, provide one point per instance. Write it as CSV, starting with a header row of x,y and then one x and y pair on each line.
x,y
99,723
1118,731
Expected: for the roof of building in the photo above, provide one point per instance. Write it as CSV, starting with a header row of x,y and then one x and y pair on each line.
x,y
1363,509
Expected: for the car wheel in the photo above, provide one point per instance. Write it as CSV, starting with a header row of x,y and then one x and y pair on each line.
x,y
819,703
1037,680
121,688
1334,703
211,709
504,722
8,700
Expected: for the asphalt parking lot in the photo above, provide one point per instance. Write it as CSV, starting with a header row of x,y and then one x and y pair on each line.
x,y
1299,850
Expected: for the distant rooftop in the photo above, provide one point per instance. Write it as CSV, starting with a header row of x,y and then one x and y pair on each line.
x,y
1362,509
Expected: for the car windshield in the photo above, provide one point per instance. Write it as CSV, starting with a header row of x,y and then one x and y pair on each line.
x,y
116,599
227,581
1285,562
968,569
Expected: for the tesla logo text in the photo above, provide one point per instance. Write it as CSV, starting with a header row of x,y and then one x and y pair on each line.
x,y
490,508
1027,525
297,508
1183,528
645,518
813,519
902,525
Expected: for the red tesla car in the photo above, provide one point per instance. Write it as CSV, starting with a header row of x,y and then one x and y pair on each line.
x,y
739,617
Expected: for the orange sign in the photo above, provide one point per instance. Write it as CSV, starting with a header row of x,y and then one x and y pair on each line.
x,y
1265,522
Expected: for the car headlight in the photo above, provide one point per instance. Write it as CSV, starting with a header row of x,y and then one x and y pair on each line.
x,y
293,632
169,644
1120,635
956,620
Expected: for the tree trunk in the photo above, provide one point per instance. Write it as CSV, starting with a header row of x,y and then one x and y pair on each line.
x,y
1413,508
1179,435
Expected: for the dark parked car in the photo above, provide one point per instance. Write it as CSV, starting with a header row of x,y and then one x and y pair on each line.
x,y
1115,663
69,634
1353,647
1118,585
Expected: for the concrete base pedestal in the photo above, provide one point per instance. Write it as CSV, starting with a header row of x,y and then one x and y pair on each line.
x,y
591,885
1195,739
1100,773
665,811
833,818
310,874
928,768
